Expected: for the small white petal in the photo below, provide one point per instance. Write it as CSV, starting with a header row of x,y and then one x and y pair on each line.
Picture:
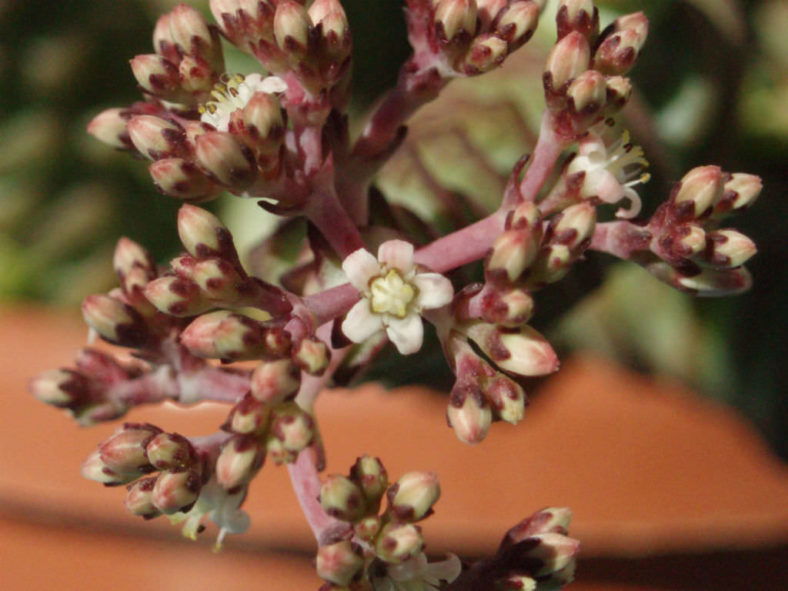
x,y
360,266
361,323
434,290
397,254
406,333
446,570
271,85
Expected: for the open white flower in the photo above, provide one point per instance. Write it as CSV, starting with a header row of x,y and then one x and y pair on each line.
x,y
393,295
419,574
611,171
233,94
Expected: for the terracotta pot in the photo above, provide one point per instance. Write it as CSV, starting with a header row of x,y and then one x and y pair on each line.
x,y
647,467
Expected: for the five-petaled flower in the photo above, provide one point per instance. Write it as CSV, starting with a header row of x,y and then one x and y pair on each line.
x,y
234,93
393,295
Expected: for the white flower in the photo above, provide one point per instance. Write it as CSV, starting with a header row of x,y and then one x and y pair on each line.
x,y
219,506
416,574
234,94
393,295
611,171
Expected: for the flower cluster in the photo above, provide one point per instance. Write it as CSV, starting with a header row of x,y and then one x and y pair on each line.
x,y
282,135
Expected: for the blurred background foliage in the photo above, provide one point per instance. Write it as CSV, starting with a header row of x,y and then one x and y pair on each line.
x,y
712,87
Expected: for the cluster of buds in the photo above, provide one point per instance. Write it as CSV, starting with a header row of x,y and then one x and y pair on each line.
x,y
310,45
584,73
537,553
694,253
470,37
380,545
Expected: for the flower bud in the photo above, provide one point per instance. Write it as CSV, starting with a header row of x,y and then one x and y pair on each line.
x,y
509,308
94,468
577,15
139,498
575,226
191,32
552,264
293,426
155,137
339,563
708,282
183,180
622,43
549,520
554,551
729,248
203,235
739,192
698,190
158,76
238,462
225,335
399,541
618,91
517,23
291,28
225,159
171,451
109,127
176,296
61,387
125,450
115,321
129,257
248,417
588,93
341,498
176,491
411,498
487,10
371,477
521,351
277,453
244,22
264,125
273,382
468,412
455,18
512,253
218,279
312,356
367,527
687,241
569,58
485,53
507,399
525,215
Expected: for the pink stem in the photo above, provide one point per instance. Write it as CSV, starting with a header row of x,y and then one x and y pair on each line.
x,y
548,149
463,246
621,239
325,211
331,303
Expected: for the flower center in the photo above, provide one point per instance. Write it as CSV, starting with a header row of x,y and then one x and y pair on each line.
x,y
391,294
232,93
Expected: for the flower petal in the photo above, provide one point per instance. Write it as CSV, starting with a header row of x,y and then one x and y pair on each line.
x,y
360,266
434,290
272,84
406,333
360,323
397,254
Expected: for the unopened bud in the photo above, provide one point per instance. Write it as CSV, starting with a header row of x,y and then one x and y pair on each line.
x,y
277,453
588,93
399,541
487,10
521,351
525,215
291,27
218,279
507,399
227,161
225,335
158,76
338,563
155,137
622,43
411,498
114,321
698,191
367,527
248,417
687,241
510,308
191,33
275,381
176,296
371,477
240,459
577,15
130,257
554,551
517,583
341,498
729,248
61,387
176,491
576,225
94,468
552,264
455,18
109,127
183,180
312,356
517,23
709,282
618,92
139,498
739,192
293,426
513,252
468,412
202,234
569,58
171,451
263,123
485,53
549,520
125,450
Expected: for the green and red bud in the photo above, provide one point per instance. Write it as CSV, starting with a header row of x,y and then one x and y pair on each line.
x,y
411,498
341,498
340,562
240,459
